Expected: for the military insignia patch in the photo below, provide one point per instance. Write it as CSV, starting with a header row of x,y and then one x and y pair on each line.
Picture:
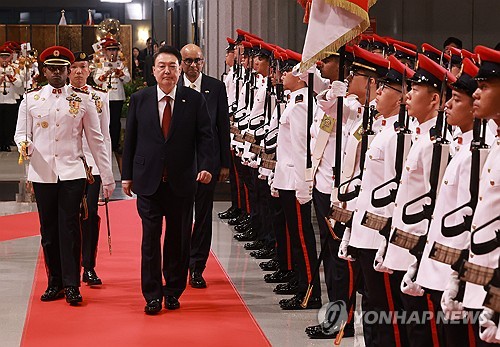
x,y
358,134
74,103
299,98
56,53
327,123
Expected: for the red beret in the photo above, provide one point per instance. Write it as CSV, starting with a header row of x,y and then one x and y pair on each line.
x,y
489,61
431,73
370,61
404,44
396,70
57,55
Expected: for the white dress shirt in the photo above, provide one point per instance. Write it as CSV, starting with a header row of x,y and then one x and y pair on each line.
x,y
196,85
162,101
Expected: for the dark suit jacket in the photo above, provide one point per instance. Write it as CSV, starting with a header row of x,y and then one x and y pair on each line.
x,y
215,94
187,150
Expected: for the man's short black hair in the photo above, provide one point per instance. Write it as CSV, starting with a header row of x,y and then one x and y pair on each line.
x,y
168,50
453,40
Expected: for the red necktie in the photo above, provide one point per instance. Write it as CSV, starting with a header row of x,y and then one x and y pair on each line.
x,y
167,117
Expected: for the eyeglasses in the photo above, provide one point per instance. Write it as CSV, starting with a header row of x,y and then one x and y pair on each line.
x,y
383,85
190,61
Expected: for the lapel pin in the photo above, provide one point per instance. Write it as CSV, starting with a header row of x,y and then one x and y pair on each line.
x,y
207,91
183,100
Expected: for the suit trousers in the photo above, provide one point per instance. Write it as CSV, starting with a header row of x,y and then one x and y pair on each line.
x,y
303,241
59,213
382,294
177,211
115,125
201,238
91,225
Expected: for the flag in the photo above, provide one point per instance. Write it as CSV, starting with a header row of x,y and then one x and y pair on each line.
x,y
90,20
332,23
62,21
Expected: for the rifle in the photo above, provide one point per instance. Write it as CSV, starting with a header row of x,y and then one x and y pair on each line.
x,y
402,148
479,150
440,153
366,137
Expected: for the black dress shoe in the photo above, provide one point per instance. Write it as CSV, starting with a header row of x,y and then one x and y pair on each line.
x,y
171,302
290,288
232,212
317,332
73,296
153,307
280,276
196,280
295,302
254,245
91,278
238,220
52,293
271,265
250,235
264,253
241,228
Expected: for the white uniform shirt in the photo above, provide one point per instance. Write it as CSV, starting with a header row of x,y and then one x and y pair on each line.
x,y
9,87
230,83
116,92
488,207
453,192
101,102
379,168
291,151
414,183
46,119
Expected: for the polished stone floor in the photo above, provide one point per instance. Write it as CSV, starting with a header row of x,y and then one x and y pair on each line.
x,y
18,259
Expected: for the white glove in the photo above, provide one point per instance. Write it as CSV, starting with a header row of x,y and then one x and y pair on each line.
x,y
274,192
28,147
342,254
453,309
108,189
379,259
270,179
304,194
489,331
337,88
407,285
253,164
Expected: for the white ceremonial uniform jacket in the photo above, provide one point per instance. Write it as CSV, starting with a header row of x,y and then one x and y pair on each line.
x,y
379,168
291,151
453,192
488,207
230,83
100,99
55,129
414,183
116,92
9,87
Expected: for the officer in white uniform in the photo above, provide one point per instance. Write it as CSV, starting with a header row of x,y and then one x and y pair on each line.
x,y
112,75
422,103
91,221
9,81
49,130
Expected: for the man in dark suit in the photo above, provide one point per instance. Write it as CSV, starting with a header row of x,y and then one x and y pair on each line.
x,y
214,92
168,149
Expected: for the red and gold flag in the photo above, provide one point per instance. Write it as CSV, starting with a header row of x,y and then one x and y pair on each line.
x,y
332,23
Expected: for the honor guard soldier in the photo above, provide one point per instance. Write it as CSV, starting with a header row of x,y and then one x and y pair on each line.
x,y
409,215
295,192
49,131
454,192
79,72
381,292
9,80
112,75
484,251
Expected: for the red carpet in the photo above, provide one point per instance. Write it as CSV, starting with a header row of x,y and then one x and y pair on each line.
x,y
19,225
113,315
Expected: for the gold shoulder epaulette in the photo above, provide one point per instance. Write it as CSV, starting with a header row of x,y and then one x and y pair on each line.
x,y
79,90
100,89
